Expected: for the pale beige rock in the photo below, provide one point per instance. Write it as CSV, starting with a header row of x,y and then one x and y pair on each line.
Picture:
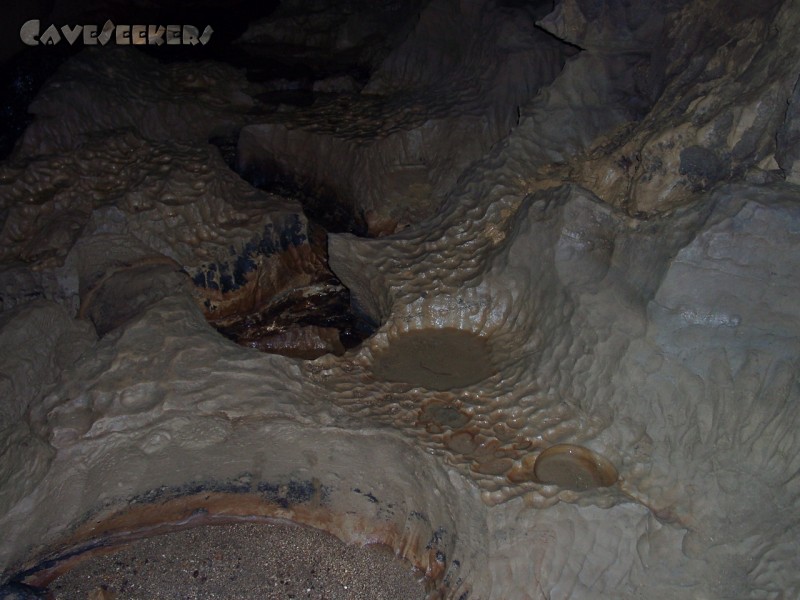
x,y
717,117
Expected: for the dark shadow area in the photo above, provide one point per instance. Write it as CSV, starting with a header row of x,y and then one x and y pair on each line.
x,y
290,315
21,78
321,205
23,73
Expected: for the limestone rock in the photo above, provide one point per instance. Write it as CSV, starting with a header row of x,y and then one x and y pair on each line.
x,y
718,115
165,103
38,341
153,217
393,151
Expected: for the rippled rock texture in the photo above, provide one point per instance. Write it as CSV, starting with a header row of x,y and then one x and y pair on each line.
x,y
574,287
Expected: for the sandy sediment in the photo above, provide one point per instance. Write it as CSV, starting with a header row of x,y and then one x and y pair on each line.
x,y
242,561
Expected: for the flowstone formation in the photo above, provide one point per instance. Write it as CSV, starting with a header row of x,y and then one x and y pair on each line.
x,y
572,363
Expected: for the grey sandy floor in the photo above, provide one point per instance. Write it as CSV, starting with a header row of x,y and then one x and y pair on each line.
x,y
252,561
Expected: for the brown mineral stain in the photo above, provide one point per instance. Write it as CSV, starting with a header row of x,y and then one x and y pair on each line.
x,y
523,470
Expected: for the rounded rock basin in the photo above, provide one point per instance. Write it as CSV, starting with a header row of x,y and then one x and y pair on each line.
x,y
437,359
574,467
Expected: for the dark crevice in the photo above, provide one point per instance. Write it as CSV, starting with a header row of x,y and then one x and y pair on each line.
x,y
328,309
567,43
288,74
325,302
226,144
321,205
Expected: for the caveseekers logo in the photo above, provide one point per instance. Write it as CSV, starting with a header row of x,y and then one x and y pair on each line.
x,y
123,35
